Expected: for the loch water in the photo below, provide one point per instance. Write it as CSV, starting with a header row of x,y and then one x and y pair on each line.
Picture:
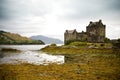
x,y
28,54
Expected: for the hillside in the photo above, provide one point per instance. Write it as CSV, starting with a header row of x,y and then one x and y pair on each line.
x,y
46,39
11,38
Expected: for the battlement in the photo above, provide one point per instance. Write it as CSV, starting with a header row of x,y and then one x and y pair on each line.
x,y
95,32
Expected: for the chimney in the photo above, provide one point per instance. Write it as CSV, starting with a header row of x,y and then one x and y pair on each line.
x,y
90,22
100,21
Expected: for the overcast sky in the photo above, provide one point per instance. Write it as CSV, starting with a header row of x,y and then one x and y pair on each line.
x,y
53,17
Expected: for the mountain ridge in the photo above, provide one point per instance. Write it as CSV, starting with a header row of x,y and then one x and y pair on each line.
x,y
47,40
12,38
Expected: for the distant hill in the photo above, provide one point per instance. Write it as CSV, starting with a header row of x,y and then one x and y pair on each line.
x,y
46,39
11,38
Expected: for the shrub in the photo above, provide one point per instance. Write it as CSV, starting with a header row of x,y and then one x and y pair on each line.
x,y
78,44
53,44
107,40
9,49
102,44
117,44
68,42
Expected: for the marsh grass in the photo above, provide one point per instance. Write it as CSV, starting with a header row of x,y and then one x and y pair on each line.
x,y
75,50
9,50
81,63
97,69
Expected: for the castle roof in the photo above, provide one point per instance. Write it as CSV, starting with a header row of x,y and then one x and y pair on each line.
x,y
82,32
95,23
70,31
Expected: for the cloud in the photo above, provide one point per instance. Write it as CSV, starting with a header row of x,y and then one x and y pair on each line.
x,y
53,17
114,5
22,8
81,9
66,9
3,10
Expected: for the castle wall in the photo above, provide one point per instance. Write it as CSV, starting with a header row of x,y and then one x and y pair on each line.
x,y
92,34
81,36
95,32
70,36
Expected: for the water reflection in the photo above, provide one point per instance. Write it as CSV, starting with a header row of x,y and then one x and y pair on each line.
x,y
29,56
23,47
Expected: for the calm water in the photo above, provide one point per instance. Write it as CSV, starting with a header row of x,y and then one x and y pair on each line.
x,y
28,54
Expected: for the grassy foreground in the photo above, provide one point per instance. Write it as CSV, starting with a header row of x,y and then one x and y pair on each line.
x,y
91,71
81,64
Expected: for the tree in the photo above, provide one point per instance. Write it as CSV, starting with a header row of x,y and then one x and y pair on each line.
x,y
69,41
117,44
107,40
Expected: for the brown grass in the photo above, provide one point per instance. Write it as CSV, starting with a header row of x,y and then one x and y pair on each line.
x,y
81,64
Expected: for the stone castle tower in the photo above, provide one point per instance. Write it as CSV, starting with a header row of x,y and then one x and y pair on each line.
x,y
95,32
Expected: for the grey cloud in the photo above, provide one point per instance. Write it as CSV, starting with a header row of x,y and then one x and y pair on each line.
x,y
92,8
3,11
18,15
2,27
114,5
10,9
78,8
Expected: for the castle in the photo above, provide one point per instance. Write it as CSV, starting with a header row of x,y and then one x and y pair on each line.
x,y
95,32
